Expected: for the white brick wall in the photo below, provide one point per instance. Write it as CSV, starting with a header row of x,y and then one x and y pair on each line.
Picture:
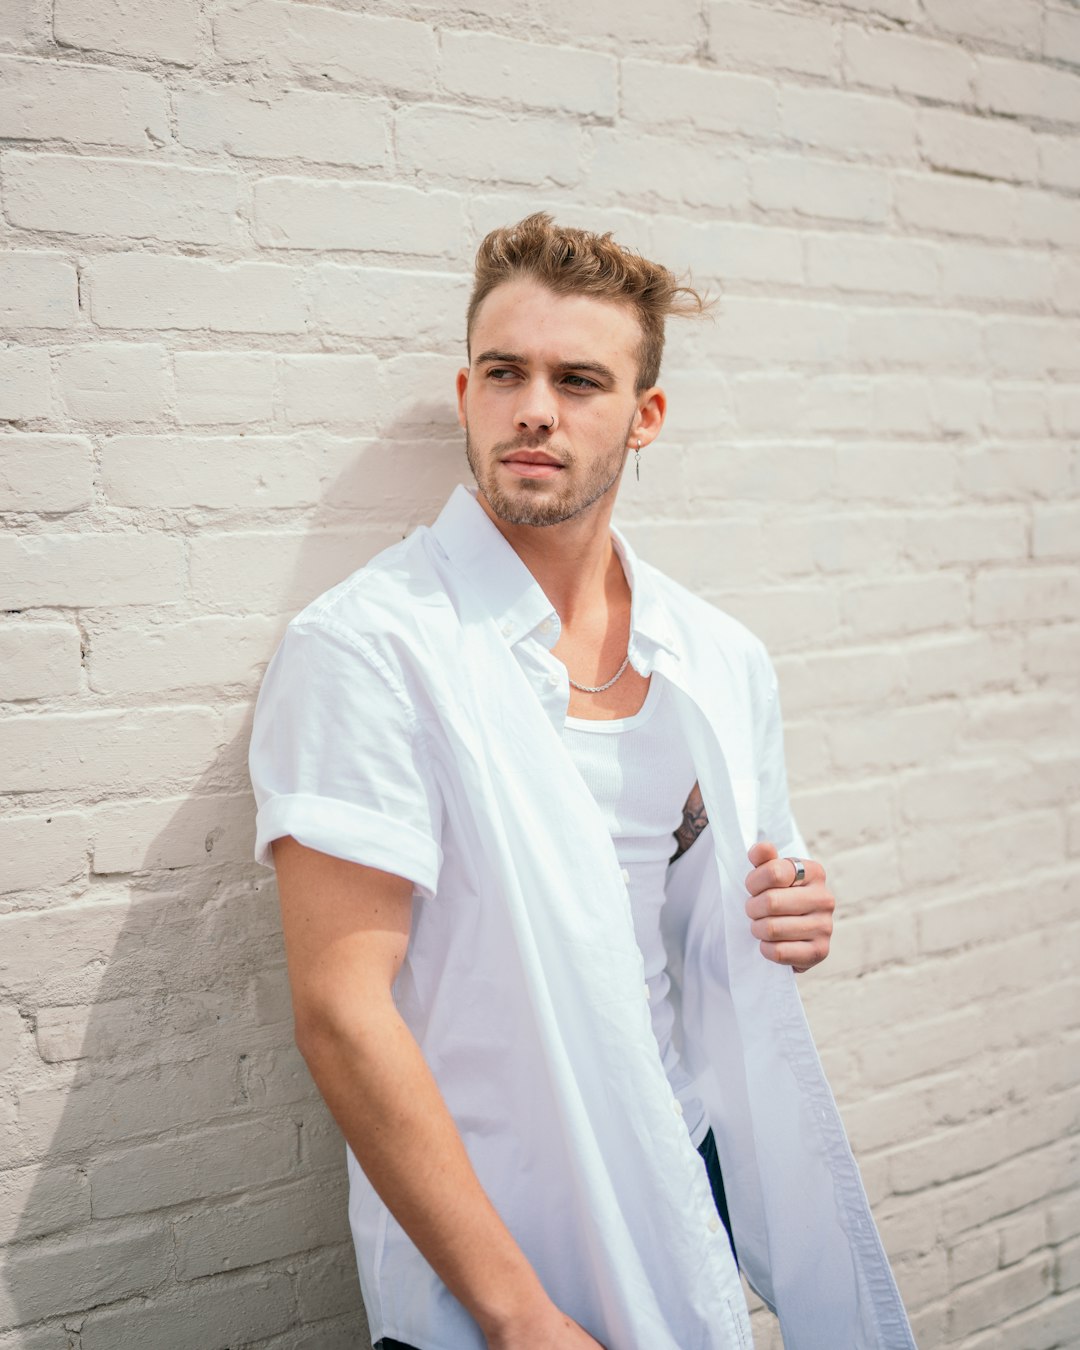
x,y
234,250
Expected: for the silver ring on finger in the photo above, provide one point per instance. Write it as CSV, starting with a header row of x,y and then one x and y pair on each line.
x,y
800,871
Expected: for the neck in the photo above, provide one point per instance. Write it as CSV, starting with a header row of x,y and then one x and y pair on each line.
x,y
574,563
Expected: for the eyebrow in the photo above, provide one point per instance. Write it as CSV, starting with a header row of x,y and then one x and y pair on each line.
x,y
516,359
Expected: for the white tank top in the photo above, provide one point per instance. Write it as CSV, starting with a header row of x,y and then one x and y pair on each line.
x,y
640,772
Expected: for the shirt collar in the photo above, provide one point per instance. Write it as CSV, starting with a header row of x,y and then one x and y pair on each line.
x,y
474,544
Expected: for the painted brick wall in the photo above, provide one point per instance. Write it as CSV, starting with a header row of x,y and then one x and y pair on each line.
x,y
236,240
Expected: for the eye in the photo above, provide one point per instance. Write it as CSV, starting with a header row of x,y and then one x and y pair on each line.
x,y
500,373
580,382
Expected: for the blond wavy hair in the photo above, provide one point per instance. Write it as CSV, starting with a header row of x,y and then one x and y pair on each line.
x,y
580,262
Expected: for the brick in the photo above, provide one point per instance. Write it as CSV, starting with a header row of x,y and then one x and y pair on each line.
x,y
329,45
1043,217
861,262
1067,1267
320,128
528,74
176,832
724,250
230,1311
854,124
1040,594
136,290
749,35
1011,23
1056,531
326,388
1059,164
677,28
483,146
903,473
92,105
977,145
158,1098
1028,89
107,749
827,190
1065,410
711,100
292,1219
1066,291
76,570
418,308
38,660
625,163
22,26
1003,472
120,198
229,388
970,272
987,1302
964,537
108,382
942,338
1052,652
200,653
1032,347
219,472
958,206
1022,1235
25,384
37,1201
66,1274
373,217
37,290
328,1285
42,851
1019,410
164,30
194,1167
116,1028
908,64
958,664
45,473
1061,35
277,572
910,604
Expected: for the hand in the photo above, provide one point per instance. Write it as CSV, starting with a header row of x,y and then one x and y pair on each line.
x,y
555,1331
793,924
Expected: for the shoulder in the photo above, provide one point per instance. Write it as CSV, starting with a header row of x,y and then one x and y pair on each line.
x,y
387,597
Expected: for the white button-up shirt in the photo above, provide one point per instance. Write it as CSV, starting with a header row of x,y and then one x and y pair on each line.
x,y
410,721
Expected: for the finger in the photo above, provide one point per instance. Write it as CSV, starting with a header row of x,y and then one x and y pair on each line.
x,y
761,852
793,928
779,874
813,898
799,955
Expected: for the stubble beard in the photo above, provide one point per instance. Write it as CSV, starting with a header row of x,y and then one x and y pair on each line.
x,y
536,501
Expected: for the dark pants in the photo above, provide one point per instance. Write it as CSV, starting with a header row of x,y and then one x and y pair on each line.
x,y
707,1149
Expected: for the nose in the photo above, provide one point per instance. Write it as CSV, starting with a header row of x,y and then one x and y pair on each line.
x,y
536,409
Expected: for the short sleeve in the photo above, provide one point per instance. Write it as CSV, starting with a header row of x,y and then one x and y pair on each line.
x,y
338,759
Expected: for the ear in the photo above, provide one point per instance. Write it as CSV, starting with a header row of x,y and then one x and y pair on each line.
x,y
462,387
649,418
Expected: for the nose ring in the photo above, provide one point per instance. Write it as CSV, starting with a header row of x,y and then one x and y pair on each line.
x,y
550,423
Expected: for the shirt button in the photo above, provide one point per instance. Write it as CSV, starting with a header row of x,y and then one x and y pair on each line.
x,y
507,629
714,1224
553,680
625,876
648,994
676,1106
546,626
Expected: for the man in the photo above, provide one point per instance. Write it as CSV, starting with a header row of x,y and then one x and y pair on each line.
x,y
510,775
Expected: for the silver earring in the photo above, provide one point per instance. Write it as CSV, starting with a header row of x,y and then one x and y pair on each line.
x,y
637,462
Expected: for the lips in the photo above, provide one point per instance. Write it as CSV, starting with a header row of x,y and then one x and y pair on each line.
x,y
532,464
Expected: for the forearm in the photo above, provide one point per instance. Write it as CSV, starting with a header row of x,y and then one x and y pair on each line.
x,y
386,1101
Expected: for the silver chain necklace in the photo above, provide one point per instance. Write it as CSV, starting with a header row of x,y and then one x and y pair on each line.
x,y
599,688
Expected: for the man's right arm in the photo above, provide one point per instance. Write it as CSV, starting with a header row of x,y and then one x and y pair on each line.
x,y
346,931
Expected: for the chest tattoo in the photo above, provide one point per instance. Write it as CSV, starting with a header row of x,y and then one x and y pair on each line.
x,y
694,820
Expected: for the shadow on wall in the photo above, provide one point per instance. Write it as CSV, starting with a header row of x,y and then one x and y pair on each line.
x,y
185,1188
